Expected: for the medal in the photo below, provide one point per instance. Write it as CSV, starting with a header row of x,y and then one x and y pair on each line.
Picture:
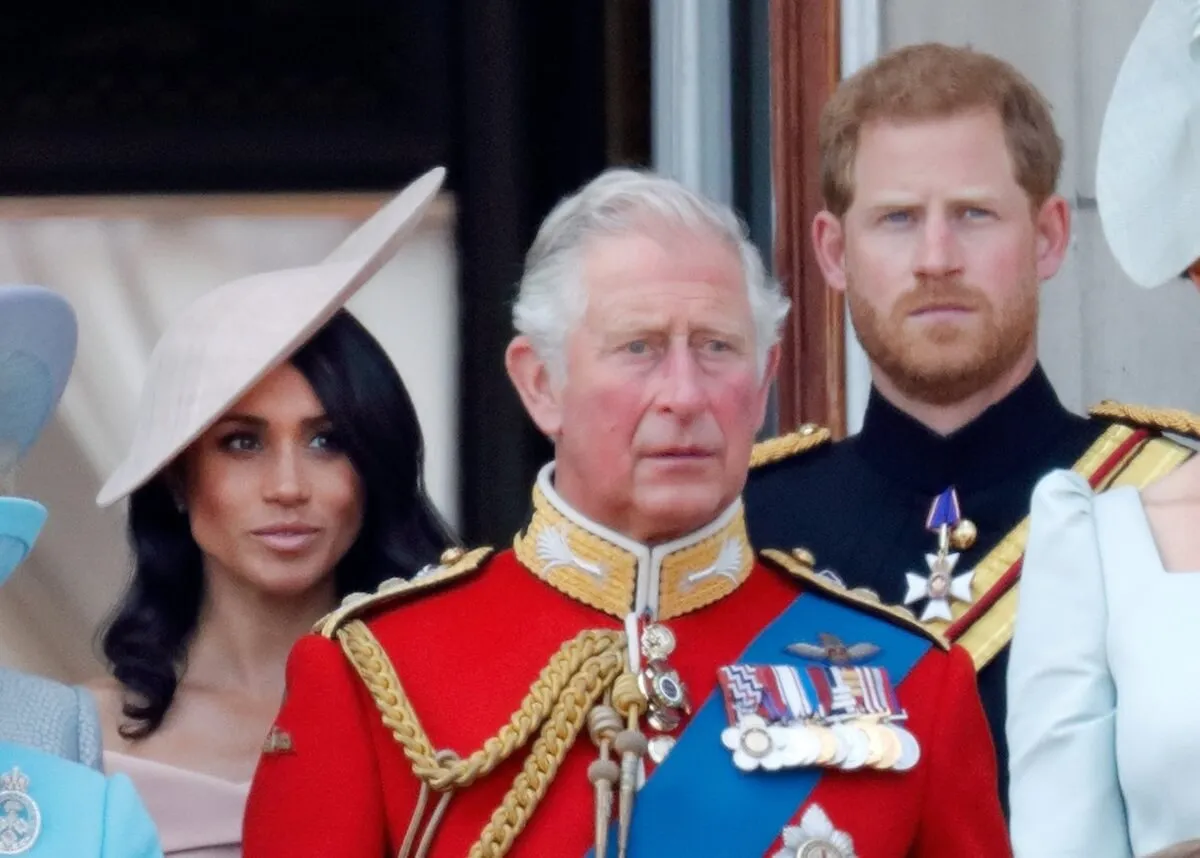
x,y
856,743
892,749
910,750
666,695
941,585
20,818
836,712
658,641
876,744
758,745
815,837
767,708
843,717
831,753
804,747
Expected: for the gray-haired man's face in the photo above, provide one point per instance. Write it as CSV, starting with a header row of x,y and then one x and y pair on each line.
x,y
662,397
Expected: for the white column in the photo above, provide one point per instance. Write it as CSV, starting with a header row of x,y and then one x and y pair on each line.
x,y
860,45
691,95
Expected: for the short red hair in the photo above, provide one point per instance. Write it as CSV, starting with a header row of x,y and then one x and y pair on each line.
x,y
934,81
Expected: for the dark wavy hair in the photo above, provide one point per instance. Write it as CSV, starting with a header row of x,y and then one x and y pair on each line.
x,y
145,644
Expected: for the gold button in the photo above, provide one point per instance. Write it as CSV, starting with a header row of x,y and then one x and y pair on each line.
x,y
807,428
867,594
804,556
963,535
452,555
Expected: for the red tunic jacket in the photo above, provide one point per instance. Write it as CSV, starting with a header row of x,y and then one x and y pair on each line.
x,y
335,782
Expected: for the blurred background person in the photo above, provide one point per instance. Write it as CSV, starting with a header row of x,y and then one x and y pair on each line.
x,y
38,336
53,803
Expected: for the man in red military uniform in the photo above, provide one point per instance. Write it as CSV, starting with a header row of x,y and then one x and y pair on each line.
x,y
630,678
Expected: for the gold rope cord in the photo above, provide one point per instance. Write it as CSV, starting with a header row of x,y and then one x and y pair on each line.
x,y
1167,419
582,670
541,765
791,444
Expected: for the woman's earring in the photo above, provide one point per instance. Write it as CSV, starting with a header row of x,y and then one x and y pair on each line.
x,y
174,485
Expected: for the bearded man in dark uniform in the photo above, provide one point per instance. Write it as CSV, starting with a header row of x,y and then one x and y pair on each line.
x,y
939,167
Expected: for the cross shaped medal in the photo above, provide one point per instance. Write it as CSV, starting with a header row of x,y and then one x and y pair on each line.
x,y
941,585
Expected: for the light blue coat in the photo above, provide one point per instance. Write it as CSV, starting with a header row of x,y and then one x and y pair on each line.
x,y
55,718
66,810
1103,682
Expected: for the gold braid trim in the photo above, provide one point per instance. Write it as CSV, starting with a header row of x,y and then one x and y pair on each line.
x,y
576,677
799,565
807,437
455,563
592,569
1164,419
611,592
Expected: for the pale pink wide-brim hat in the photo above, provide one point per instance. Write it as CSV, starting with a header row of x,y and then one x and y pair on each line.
x,y
1148,166
223,344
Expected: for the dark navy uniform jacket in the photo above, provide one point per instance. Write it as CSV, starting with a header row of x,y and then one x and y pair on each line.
x,y
859,505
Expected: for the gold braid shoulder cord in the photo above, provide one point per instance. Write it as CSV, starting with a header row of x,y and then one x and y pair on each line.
x,y
587,668
1166,419
807,437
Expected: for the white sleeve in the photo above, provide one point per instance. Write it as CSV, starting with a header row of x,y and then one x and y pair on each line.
x,y
1064,795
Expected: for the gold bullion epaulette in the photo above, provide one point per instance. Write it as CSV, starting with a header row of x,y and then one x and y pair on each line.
x,y
453,564
1174,420
799,564
807,437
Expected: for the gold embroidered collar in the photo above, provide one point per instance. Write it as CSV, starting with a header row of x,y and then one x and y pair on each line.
x,y
619,576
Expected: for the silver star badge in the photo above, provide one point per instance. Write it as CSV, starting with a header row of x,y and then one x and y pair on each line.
x,y
940,587
815,837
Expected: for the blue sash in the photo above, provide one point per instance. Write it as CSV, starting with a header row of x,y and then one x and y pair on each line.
x,y
697,802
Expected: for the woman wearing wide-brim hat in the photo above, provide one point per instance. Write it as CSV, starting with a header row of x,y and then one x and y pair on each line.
x,y
53,801
276,466
1104,679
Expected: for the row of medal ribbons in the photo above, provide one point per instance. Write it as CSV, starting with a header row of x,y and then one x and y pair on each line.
x,y
838,717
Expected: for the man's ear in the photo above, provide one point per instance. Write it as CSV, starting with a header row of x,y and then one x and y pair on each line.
x,y
531,377
829,243
1053,225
